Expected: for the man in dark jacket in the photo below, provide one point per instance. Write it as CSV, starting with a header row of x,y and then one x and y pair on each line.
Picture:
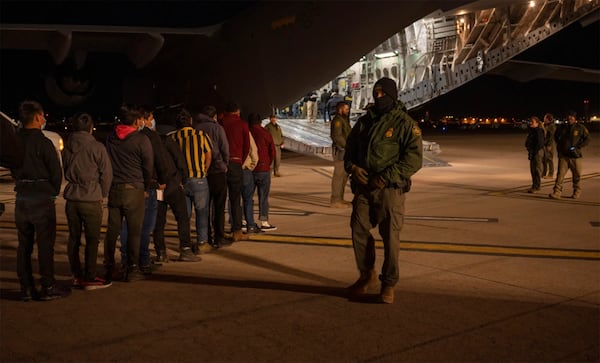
x,y
89,175
132,160
217,175
570,139
37,183
384,149
158,181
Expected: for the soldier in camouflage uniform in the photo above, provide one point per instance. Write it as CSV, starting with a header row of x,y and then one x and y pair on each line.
x,y
340,129
384,149
570,138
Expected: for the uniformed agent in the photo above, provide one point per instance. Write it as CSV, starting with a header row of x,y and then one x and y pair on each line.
x,y
384,149
570,139
340,129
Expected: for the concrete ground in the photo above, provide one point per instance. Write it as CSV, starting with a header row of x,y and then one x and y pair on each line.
x,y
489,273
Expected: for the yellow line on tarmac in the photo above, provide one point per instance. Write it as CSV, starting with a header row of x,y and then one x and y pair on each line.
x,y
408,245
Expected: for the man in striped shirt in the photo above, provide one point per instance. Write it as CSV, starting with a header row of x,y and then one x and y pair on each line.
x,y
196,148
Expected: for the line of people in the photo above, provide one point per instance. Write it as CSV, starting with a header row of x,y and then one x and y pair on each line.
x,y
139,172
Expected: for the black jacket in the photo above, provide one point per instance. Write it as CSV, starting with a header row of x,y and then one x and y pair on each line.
x,y
40,176
131,157
160,174
176,165
11,150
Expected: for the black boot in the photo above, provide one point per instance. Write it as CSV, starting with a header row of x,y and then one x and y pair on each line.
x,y
29,293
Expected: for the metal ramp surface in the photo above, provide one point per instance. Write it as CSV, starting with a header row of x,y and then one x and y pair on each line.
x,y
312,138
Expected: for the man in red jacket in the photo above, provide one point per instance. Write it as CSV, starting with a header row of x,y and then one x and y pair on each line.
x,y
262,171
238,138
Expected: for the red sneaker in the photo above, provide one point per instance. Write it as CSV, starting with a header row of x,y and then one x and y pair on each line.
x,y
96,283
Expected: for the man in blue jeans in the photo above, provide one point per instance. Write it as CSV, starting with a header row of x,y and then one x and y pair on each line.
x,y
262,171
196,148
158,181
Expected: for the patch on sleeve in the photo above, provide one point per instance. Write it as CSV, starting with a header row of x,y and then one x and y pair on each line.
x,y
337,124
416,130
576,133
389,132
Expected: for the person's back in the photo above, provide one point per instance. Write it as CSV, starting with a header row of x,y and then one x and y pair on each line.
x,y
88,172
131,156
40,175
88,169
132,159
237,131
217,176
262,172
220,145
238,137
37,183
197,151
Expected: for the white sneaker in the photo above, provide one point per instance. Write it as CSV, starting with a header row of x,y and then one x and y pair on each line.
x,y
265,226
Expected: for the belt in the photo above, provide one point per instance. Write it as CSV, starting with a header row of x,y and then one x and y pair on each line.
x,y
31,180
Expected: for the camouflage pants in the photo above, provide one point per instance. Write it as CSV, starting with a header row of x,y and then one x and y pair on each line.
x,y
383,208
564,165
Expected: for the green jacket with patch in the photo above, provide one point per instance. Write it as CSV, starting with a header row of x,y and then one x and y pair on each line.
x,y
389,145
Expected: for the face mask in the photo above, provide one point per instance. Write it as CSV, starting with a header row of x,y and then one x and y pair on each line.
x,y
44,125
153,124
383,104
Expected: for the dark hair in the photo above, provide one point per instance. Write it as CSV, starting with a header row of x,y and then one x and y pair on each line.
x,y
209,111
28,110
340,105
145,110
232,107
82,122
183,118
272,116
129,114
572,113
254,118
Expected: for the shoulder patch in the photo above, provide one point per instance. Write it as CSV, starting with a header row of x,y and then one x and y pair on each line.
x,y
575,132
416,130
389,132
337,124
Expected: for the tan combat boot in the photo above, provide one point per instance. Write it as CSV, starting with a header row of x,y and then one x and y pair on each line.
x,y
361,286
387,294
576,194
238,236
554,195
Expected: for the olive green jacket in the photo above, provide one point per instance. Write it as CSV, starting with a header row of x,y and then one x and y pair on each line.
x,y
340,129
275,131
389,145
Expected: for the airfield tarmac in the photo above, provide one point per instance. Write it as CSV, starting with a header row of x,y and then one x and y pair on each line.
x,y
488,273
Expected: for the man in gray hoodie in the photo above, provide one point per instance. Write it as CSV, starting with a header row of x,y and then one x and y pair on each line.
x,y
88,172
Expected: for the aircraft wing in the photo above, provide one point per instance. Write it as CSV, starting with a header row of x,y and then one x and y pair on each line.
x,y
525,71
140,44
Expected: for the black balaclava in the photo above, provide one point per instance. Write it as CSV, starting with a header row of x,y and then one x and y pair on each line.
x,y
386,103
